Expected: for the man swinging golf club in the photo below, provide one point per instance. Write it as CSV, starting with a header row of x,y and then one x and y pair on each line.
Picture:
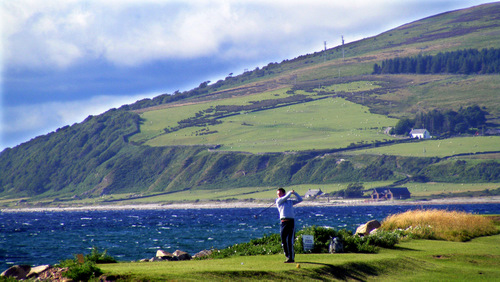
x,y
287,230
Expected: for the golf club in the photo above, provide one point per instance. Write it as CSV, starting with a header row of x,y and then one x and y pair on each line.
x,y
263,210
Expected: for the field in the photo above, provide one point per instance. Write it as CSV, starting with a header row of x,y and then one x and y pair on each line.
x,y
259,195
319,124
299,110
431,188
415,260
446,92
439,148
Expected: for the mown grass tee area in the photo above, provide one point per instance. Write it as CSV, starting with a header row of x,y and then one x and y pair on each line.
x,y
417,260
446,259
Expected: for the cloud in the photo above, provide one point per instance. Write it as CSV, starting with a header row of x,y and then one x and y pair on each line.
x,y
62,33
58,54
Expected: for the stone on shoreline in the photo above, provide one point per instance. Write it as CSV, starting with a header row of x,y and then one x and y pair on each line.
x,y
181,255
164,255
367,228
19,272
204,253
37,270
41,272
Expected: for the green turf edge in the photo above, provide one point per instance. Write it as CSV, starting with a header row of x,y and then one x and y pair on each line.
x,y
414,260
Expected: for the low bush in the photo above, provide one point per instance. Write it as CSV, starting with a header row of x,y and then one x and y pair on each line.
x,y
271,244
440,225
78,271
97,257
352,243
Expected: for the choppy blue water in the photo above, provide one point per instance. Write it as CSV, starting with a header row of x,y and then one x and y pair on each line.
x,y
37,238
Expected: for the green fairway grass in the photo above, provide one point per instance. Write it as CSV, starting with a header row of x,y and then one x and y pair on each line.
x,y
415,260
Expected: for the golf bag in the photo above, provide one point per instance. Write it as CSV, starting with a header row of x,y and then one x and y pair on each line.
x,y
336,245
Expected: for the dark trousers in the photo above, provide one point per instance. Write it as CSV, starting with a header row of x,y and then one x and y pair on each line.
x,y
287,232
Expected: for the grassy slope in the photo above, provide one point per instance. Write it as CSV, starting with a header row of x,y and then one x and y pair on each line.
x,y
318,125
440,148
416,260
358,107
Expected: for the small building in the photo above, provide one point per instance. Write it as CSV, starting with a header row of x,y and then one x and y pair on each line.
x,y
386,193
492,131
420,134
313,193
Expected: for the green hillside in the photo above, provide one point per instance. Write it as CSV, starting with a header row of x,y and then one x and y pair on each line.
x,y
317,119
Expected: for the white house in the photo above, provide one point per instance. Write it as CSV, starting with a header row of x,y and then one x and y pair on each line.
x,y
313,193
420,134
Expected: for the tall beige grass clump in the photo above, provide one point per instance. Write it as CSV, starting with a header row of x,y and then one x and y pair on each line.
x,y
440,224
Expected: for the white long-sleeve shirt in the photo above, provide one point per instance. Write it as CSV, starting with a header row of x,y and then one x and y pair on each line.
x,y
285,205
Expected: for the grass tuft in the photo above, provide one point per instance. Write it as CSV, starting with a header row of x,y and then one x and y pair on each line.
x,y
440,225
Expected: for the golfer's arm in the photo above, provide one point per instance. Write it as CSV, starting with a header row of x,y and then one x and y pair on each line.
x,y
299,198
284,198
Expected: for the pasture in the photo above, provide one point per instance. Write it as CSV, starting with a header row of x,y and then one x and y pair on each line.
x,y
439,148
320,124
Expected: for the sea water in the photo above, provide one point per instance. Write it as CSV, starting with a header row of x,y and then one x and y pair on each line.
x,y
48,237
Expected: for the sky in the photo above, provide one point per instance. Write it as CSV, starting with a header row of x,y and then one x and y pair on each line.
x,y
63,60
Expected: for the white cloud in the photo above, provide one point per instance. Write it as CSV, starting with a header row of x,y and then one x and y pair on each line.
x,y
60,33
37,36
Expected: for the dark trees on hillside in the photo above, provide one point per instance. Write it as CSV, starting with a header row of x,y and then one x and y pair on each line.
x,y
353,190
447,122
469,61
403,126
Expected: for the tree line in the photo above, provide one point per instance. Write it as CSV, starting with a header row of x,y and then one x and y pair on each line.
x,y
448,122
467,61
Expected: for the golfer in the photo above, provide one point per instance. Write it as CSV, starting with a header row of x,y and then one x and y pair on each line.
x,y
287,215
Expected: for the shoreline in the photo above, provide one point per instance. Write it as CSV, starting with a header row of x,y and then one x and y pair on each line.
x,y
245,204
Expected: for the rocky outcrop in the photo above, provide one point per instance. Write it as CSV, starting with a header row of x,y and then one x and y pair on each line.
x,y
202,254
42,272
367,228
37,270
162,255
19,272
50,273
181,255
